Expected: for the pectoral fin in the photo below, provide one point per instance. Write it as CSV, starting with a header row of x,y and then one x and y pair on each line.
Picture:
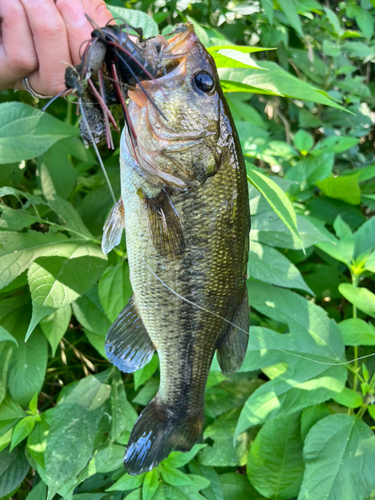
x,y
113,227
232,349
128,345
165,226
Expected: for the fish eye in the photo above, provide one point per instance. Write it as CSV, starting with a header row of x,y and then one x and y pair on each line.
x,y
203,81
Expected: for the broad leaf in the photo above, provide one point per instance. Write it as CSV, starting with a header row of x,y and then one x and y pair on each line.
x,y
355,331
276,198
275,81
344,188
338,448
269,265
55,325
136,18
115,289
6,336
73,430
59,280
275,465
361,298
56,172
223,453
28,367
19,250
27,132
123,414
13,469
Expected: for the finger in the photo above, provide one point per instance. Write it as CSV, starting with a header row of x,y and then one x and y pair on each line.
x,y
78,27
18,57
51,44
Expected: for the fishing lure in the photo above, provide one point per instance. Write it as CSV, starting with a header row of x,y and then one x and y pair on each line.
x,y
112,62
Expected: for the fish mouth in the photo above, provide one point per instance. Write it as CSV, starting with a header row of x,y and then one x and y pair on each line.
x,y
159,139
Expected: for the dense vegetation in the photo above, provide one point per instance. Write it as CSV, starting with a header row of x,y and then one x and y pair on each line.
x,y
297,421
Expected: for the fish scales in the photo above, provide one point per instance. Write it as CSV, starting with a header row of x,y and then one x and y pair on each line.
x,y
207,264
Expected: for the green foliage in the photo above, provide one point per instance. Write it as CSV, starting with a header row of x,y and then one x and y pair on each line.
x,y
297,421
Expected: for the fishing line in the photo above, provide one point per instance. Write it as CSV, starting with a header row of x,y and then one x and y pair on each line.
x,y
96,148
242,330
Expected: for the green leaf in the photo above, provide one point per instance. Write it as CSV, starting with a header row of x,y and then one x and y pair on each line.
x,y
59,280
310,170
223,453
303,141
237,487
269,265
39,492
123,414
344,188
276,198
310,416
355,331
27,132
214,491
266,228
337,449
333,19
275,465
313,351
318,333
287,6
141,376
56,172
127,483
364,237
110,458
28,367
89,312
22,430
147,392
150,484
137,19
55,325
6,351
232,58
364,20
178,459
267,6
13,469
19,250
115,289
334,144
6,336
348,398
361,298
275,81
74,426
174,476
71,218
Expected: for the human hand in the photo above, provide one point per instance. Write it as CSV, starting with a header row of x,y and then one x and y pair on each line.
x,y
39,38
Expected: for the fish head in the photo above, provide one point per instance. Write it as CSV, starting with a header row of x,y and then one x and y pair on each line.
x,y
176,117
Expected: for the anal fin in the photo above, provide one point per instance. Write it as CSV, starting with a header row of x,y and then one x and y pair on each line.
x,y
113,227
232,348
165,226
128,345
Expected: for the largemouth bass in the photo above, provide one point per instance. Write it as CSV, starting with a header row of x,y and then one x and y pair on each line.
x,y
184,205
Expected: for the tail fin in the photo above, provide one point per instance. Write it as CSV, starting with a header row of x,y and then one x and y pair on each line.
x,y
156,434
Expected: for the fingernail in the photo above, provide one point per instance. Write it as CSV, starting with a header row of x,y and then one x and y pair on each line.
x,y
74,14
